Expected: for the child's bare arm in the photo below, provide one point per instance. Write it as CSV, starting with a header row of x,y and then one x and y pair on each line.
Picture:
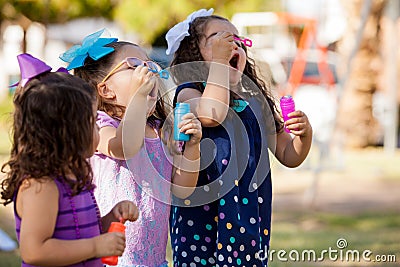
x,y
291,152
212,106
126,140
187,165
37,205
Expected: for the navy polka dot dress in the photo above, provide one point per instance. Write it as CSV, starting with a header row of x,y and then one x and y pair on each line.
x,y
227,220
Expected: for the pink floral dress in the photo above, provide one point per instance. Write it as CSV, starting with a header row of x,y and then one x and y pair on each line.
x,y
145,180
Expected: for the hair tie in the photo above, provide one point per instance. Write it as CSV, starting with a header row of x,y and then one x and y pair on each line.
x,y
93,46
177,33
30,67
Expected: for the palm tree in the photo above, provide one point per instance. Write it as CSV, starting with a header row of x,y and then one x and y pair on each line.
x,y
360,73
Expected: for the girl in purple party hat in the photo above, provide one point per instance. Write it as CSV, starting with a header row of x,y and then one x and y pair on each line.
x,y
48,176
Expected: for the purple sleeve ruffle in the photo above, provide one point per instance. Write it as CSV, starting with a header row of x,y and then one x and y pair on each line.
x,y
103,120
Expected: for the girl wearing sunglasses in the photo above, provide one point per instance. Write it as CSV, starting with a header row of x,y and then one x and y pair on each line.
x,y
131,161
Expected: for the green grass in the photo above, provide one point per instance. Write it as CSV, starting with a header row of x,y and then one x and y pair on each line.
x,y
378,232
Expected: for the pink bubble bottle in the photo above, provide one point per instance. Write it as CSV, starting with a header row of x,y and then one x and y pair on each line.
x,y
287,106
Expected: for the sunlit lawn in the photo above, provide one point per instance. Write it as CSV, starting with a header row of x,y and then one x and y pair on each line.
x,y
379,232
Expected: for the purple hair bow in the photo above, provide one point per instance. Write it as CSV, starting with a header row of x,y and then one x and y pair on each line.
x,y
31,67
92,45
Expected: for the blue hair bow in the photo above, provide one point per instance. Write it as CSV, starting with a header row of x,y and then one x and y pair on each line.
x,y
92,45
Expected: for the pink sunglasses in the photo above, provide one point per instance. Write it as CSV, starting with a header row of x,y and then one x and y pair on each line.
x,y
246,41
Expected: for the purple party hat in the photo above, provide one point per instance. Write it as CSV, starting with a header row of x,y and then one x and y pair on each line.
x,y
30,67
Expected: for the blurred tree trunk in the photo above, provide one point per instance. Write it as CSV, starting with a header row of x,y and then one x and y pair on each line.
x,y
355,120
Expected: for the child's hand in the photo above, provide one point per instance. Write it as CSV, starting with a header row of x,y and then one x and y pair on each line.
x,y
298,123
191,125
125,211
143,81
109,244
222,46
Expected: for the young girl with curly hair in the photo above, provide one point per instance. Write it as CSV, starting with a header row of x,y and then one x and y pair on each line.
x,y
229,220
48,176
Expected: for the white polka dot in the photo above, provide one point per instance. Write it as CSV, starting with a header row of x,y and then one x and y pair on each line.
x,y
176,230
211,260
184,254
228,248
203,248
196,259
252,220
229,259
248,257
242,230
220,182
180,219
255,186
190,223
220,257
184,264
206,188
192,264
236,199
241,248
176,248
193,247
260,200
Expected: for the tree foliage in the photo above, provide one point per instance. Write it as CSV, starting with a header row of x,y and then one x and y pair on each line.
x,y
152,18
149,18
55,11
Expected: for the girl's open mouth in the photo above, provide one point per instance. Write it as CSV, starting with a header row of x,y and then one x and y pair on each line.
x,y
234,61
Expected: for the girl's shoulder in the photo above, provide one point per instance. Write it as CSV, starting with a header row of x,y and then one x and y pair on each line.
x,y
32,189
198,89
37,183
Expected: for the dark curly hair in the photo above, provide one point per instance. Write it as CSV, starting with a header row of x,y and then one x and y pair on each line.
x,y
93,71
189,51
52,133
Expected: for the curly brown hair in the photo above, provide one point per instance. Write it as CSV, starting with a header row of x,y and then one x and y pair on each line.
x,y
52,133
94,71
189,51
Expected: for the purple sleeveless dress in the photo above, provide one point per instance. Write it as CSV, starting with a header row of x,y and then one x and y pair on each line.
x,y
87,215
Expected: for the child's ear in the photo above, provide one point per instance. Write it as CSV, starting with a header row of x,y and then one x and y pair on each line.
x,y
105,91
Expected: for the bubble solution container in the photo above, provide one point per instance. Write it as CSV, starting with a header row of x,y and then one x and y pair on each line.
x,y
287,106
180,110
114,227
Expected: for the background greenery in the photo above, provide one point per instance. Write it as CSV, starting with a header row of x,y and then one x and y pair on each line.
x,y
138,16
